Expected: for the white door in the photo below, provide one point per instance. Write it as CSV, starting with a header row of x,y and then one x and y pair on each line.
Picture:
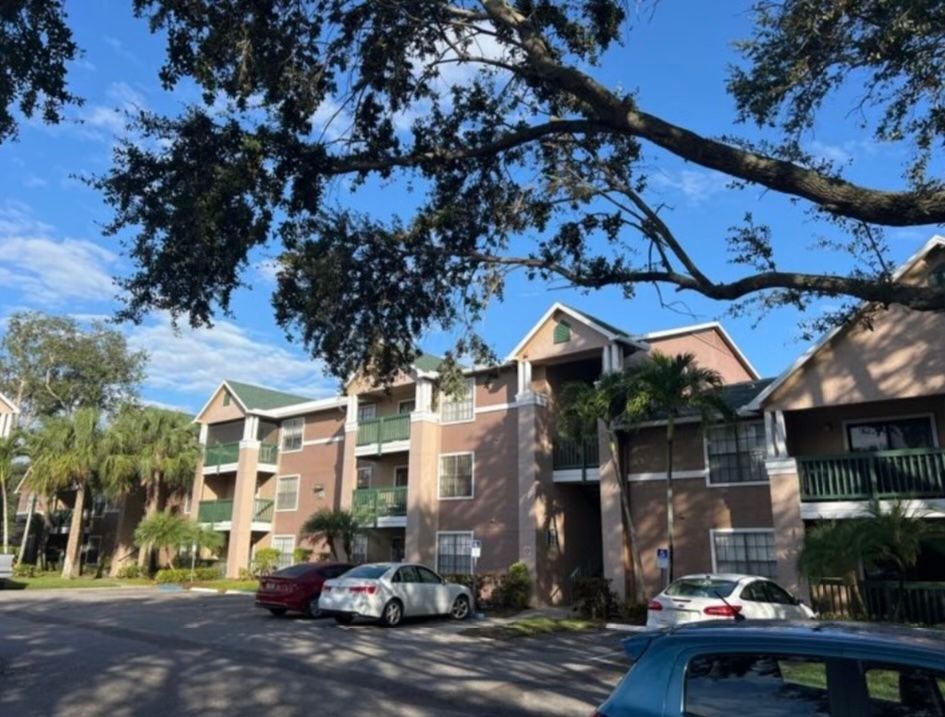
x,y
406,585
756,604
783,605
437,592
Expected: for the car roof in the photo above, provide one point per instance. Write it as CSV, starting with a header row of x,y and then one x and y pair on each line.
x,y
733,577
874,637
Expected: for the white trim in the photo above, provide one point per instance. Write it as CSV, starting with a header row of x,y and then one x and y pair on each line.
x,y
275,537
223,385
470,533
357,470
838,509
935,241
323,441
472,474
573,475
496,407
661,475
282,448
733,531
705,453
781,466
694,328
369,450
298,488
558,306
13,406
879,419
305,407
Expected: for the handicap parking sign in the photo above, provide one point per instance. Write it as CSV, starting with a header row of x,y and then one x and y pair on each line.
x,y
662,558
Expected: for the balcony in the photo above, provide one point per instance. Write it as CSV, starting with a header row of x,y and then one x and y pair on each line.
x,y
383,435
573,462
906,473
225,456
381,507
220,514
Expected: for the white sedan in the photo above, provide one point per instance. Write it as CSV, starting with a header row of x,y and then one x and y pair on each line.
x,y
719,596
389,592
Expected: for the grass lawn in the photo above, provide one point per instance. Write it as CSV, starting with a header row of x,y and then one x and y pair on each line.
x,y
531,626
54,582
247,585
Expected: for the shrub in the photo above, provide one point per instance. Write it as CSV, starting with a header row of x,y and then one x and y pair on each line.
x,y
246,574
473,582
25,570
514,589
265,561
129,571
301,555
634,613
172,575
594,599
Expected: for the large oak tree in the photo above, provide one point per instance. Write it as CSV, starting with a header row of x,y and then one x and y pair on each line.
x,y
494,113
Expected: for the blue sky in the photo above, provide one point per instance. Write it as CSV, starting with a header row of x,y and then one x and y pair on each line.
x,y
54,258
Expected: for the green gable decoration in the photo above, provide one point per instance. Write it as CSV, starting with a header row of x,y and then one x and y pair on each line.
x,y
562,333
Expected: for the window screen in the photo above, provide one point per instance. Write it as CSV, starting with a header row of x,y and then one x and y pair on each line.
x,y
292,434
454,553
456,479
457,407
748,552
737,453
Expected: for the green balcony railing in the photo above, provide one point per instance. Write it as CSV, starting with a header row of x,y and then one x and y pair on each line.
x,y
221,511
221,454
369,504
384,430
905,473
568,454
268,453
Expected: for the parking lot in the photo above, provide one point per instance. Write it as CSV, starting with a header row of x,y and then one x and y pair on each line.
x,y
145,652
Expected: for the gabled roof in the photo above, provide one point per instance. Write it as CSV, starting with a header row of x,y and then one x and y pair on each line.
x,y
260,398
612,333
936,242
694,328
737,396
427,362
8,402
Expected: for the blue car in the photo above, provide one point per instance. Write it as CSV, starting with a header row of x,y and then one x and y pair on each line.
x,y
782,669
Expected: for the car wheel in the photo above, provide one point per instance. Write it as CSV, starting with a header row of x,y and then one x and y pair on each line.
x,y
392,614
344,619
278,611
460,609
312,609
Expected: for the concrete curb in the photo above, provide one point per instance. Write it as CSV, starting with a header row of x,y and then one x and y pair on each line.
x,y
622,627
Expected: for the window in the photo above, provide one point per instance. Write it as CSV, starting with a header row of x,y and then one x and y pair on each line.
x,y
407,574
397,550
359,547
454,553
898,691
459,407
366,412
890,434
287,493
737,453
746,551
562,332
428,576
701,588
292,434
722,685
456,476
92,549
400,476
226,398
765,591
365,475
406,407
98,506
285,544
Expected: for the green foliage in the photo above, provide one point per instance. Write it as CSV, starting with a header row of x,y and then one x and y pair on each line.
x,y
593,598
246,574
25,570
302,555
265,561
131,571
52,365
169,531
332,525
515,588
186,575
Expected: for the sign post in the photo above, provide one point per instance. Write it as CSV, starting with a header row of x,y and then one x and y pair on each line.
x,y
662,562
475,551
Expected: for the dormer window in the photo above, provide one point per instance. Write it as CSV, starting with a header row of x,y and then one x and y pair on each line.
x,y
226,398
562,332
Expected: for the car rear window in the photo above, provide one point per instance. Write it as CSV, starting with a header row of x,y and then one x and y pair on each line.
x,y
367,572
701,587
294,571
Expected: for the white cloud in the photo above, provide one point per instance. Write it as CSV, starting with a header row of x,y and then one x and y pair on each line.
x,y
104,122
196,360
695,185
831,152
34,182
268,270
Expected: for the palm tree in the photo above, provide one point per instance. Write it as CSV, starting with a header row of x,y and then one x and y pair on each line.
x,y
668,387
150,447
581,408
164,531
332,525
833,549
66,456
11,448
202,537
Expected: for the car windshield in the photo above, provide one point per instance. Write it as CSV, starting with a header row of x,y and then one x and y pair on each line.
x,y
293,571
701,587
367,572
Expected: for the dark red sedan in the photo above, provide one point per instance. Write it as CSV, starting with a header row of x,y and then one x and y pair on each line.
x,y
297,587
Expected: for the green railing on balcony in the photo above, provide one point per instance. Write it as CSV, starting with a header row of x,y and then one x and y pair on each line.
x,y
568,454
379,431
268,453
369,504
221,454
221,511
905,473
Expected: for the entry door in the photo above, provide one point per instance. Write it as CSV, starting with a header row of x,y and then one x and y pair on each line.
x,y
400,476
397,550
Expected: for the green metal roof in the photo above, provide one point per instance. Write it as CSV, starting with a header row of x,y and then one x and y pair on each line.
x,y
263,399
610,327
427,362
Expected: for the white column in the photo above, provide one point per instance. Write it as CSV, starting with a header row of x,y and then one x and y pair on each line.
x,y
524,379
351,417
616,361
775,434
250,428
204,429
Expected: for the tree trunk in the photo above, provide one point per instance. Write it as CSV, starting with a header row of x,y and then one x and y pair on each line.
x,y
26,530
670,435
6,513
639,589
152,501
123,550
71,565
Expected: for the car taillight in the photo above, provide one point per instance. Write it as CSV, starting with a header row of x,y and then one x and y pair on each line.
x,y
655,605
369,589
723,610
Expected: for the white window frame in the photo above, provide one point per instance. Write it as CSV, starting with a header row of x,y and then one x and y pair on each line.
x,y
298,486
301,421
472,475
373,407
472,410
280,537
879,419
737,531
357,474
470,533
708,467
